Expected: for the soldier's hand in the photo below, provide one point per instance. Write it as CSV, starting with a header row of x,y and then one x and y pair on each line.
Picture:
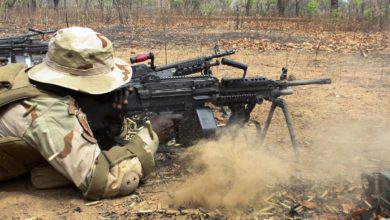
x,y
165,124
121,97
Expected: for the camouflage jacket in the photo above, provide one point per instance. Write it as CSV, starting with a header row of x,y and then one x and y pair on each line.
x,y
60,132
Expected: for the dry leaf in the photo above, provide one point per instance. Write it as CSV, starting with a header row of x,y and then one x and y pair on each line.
x,y
309,205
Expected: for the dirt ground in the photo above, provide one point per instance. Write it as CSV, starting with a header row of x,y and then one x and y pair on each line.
x,y
343,129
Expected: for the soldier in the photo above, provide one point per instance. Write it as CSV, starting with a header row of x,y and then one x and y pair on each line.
x,y
32,120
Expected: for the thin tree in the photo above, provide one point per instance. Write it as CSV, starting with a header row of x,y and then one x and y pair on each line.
x,y
10,4
56,2
297,5
248,6
282,6
334,5
85,8
32,5
101,6
118,8
238,16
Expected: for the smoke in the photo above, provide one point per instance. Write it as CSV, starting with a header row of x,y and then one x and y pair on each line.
x,y
234,170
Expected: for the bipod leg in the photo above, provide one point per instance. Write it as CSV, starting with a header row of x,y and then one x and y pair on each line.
x,y
267,123
283,105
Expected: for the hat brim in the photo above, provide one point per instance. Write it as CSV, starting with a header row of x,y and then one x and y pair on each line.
x,y
93,84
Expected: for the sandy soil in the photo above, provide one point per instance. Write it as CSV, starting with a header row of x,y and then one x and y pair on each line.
x,y
342,128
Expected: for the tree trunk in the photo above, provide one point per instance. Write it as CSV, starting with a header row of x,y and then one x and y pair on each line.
x,y
281,7
384,15
223,6
32,4
101,6
362,7
10,4
238,20
258,7
56,3
66,13
248,6
334,5
130,4
118,8
85,8
297,8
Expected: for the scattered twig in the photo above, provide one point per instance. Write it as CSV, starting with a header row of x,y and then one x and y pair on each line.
x,y
94,203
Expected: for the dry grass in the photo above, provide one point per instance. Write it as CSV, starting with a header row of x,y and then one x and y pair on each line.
x,y
324,117
343,118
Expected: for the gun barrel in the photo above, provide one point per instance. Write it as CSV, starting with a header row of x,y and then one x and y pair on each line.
x,y
223,53
168,66
309,82
40,48
25,37
24,45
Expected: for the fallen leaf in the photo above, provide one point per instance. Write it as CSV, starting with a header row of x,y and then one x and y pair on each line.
x,y
309,205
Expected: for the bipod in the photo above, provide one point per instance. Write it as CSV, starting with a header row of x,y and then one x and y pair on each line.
x,y
281,103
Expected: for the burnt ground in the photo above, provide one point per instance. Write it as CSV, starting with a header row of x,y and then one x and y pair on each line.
x,y
139,37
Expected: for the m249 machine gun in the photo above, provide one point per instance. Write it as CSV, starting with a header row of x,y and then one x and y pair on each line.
x,y
201,64
166,89
28,49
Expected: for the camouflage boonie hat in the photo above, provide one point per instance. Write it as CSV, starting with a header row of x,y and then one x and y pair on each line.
x,y
80,59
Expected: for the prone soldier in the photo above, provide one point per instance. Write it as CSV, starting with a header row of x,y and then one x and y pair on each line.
x,y
38,125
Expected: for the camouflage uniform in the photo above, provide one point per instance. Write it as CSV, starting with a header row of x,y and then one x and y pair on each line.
x,y
79,59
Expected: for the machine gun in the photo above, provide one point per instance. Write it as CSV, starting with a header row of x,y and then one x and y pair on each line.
x,y
191,96
201,64
28,49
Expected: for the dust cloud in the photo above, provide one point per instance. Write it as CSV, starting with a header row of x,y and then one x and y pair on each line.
x,y
230,171
234,171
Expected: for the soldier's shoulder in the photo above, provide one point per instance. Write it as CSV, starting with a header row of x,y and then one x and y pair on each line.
x,y
51,102
51,107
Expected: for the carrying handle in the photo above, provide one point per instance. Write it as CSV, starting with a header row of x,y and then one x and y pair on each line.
x,y
235,64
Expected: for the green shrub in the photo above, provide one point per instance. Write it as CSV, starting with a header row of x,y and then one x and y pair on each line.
x,y
208,8
312,7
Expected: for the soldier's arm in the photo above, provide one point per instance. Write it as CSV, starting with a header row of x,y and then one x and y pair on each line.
x,y
60,132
